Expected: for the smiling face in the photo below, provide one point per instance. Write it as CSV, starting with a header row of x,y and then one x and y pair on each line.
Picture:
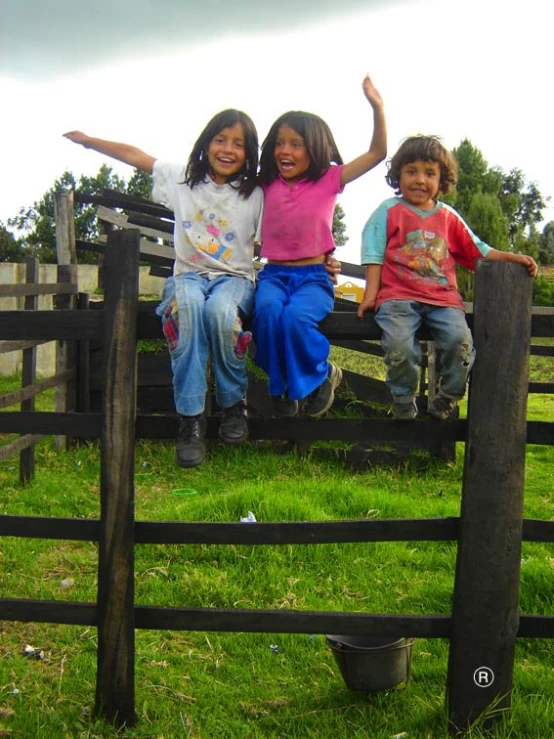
x,y
419,183
291,154
226,153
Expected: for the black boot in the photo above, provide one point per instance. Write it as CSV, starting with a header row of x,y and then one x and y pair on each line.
x,y
234,424
191,441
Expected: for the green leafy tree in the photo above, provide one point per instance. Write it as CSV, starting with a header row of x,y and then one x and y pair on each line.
x,y
486,218
11,249
339,226
522,204
543,291
472,168
546,244
140,184
501,208
37,223
512,226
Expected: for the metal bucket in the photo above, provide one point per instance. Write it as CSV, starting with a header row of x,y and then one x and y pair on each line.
x,y
372,663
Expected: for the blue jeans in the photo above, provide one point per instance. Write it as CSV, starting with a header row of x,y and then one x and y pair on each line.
x,y
290,302
399,321
202,317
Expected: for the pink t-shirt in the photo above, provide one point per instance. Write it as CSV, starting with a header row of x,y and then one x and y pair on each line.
x,y
297,221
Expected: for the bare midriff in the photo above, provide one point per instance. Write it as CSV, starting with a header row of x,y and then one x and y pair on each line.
x,y
299,262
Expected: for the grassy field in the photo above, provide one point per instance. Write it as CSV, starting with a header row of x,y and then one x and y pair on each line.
x,y
241,686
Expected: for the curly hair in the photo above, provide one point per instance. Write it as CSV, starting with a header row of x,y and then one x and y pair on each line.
x,y
245,180
320,144
428,149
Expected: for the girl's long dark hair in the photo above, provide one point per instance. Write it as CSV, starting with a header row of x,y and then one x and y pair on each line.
x,y
317,136
198,166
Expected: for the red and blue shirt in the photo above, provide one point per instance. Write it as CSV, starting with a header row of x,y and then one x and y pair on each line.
x,y
419,250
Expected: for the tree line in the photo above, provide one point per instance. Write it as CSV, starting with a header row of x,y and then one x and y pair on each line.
x,y
501,207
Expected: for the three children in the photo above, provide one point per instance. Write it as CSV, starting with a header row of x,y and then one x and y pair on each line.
x,y
410,247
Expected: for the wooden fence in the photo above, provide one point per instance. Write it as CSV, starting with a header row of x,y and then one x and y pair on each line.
x,y
485,620
65,295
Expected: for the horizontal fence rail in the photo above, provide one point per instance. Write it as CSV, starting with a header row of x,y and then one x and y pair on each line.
x,y
259,621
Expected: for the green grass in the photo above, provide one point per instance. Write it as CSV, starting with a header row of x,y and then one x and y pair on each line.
x,y
235,686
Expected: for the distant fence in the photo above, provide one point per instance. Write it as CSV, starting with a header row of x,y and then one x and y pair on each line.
x,y
485,620
64,292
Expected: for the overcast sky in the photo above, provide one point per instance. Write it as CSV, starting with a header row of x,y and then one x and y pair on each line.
x,y
152,72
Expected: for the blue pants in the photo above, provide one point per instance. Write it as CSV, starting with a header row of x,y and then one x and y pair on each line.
x,y
399,321
289,304
202,317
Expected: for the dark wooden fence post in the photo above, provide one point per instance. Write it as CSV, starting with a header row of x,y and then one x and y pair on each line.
x,y
115,689
485,613
29,371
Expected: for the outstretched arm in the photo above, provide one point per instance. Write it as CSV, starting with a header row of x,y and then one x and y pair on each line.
x,y
508,256
122,152
378,147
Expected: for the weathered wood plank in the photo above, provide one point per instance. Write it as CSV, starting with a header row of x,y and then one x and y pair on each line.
x,y
83,364
317,532
143,222
542,351
114,199
48,611
545,388
65,228
17,346
18,445
43,527
41,324
66,351
121,220
536,627
19,289
485,611
31,391
291,622
540,432
28,373
115,688
85,425
536,530
377,431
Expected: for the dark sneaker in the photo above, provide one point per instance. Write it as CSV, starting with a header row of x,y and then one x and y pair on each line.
x,y
191,441
284,407
442,408
233,428
322,398
404,411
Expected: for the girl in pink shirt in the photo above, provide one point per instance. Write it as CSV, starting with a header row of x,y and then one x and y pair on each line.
x,y
301,173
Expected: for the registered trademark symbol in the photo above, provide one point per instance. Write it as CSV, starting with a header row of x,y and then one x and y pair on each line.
x,y
483,677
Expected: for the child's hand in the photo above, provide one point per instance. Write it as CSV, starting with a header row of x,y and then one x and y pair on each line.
x,y
367,303
78,137
333,267
372,93
528,262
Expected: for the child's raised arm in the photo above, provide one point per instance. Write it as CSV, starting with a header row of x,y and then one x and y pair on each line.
x,y
509,256
122,152
378,147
